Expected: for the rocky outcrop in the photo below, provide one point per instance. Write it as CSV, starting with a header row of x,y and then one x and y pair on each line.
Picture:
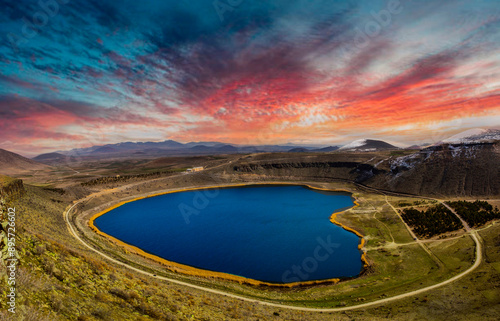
x,y
451,170
356,171
11,188
445,170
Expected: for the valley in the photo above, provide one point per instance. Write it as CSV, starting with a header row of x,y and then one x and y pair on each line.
x,y
402,269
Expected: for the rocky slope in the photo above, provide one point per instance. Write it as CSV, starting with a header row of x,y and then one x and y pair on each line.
x,y
451,170
475,135
11,188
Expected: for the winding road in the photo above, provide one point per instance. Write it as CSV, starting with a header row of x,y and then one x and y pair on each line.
x,y
473,234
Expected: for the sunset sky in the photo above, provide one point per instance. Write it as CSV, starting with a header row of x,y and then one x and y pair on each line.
x,y
76,73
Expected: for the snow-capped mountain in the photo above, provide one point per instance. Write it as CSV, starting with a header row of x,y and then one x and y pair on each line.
x,y
354,144
475,135
367,145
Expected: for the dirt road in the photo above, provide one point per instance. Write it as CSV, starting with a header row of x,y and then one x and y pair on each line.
x,y
473,234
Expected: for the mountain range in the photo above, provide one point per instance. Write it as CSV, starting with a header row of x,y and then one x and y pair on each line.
x,y
169,148
173,148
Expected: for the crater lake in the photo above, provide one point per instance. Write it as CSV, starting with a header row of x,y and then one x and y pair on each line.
x,y
272,233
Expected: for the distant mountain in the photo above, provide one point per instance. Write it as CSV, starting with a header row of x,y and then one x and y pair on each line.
x,y
367,145
414,147
208,144
173,148
126,148
53,158
476,135
226,149
299,150
49,156
201,148
104,150
13,164
313,150
170,144
168,148
326,149
167,144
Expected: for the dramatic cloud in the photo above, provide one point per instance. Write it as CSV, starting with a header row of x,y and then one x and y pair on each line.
x,y
93,72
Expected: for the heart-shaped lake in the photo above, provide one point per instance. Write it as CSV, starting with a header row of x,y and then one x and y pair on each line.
x,y
273,233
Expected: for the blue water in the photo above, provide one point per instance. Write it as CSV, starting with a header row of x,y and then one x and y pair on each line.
x,y
270,233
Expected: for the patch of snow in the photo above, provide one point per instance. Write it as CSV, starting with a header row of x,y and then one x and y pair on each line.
x,y
464,150
354,144
458,138
474,136
428,154
407,162
455,151
379,163
490,134
471,152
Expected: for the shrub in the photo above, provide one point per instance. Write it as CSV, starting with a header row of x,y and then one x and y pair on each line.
x,y
433,221
475,213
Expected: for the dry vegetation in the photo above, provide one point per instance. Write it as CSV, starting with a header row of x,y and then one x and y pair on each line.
x,y
59,279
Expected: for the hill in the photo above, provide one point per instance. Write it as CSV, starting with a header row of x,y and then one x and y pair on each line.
x,y
451,170
298,150
476,135
226,149
316,150
10,188
327,149
448,169
51,158
13,164
367,145
104,150
48,156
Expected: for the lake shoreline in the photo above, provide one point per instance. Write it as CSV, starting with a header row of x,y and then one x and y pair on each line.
x,y
208,274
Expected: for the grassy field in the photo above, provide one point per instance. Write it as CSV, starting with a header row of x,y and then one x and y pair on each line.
x,y
60,279
5,180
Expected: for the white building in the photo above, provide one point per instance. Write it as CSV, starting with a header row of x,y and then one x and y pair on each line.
x,y
195,169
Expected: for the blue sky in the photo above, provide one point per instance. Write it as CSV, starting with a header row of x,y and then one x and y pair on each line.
x,y
79,73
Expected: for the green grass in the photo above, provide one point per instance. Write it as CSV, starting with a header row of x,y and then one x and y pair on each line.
x,y
456,254
62,280
385,277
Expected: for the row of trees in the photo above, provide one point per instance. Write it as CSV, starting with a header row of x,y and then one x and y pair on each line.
x,y
433,221
475,213
123,178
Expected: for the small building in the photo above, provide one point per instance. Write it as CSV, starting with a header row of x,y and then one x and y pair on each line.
x,y
195,169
